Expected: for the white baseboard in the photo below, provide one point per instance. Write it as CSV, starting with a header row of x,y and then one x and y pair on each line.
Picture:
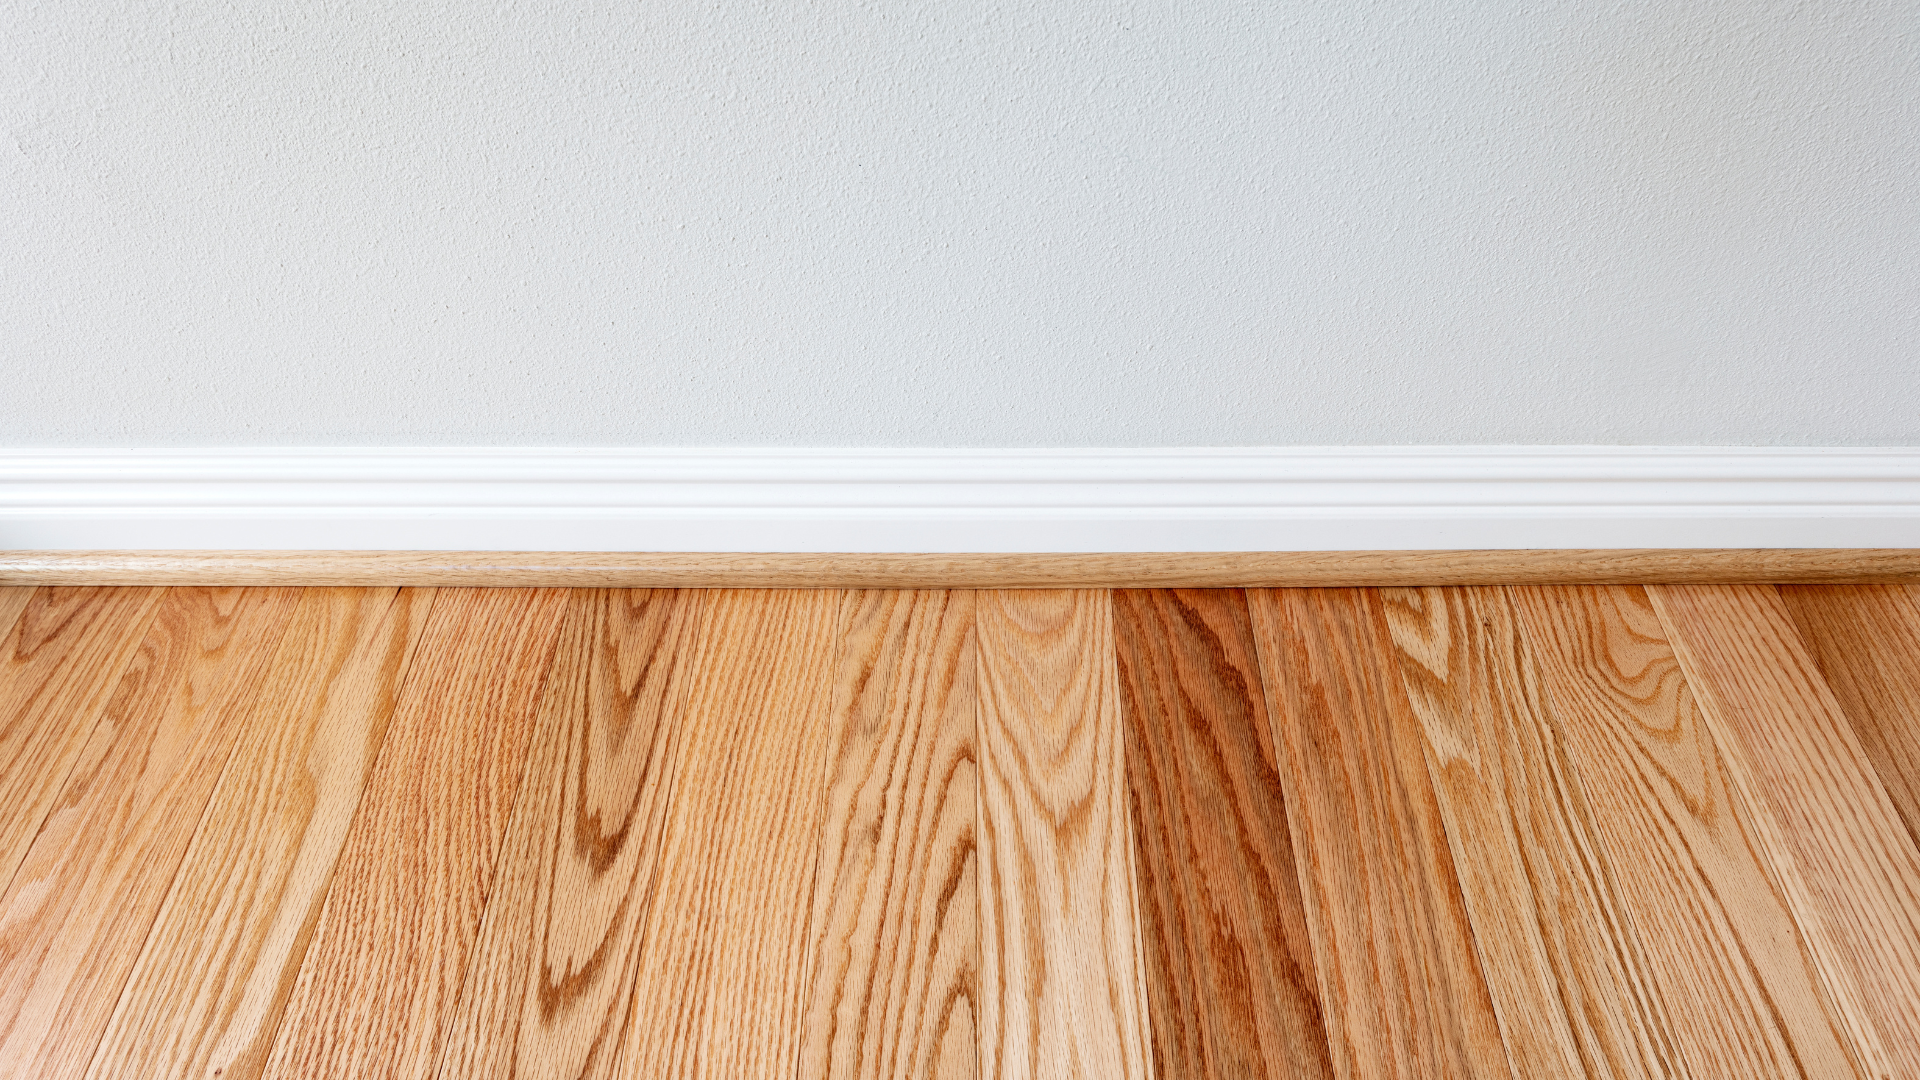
x,y
1205,499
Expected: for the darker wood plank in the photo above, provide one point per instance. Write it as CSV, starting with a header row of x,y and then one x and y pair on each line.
x,y
1231,987
1401,986
77,914
548,988
384,969
895,925
1866,640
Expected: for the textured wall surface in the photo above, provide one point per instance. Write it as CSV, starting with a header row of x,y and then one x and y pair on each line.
x,y
1018,223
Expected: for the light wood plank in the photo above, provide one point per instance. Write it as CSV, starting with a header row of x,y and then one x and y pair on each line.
x,y
1832,838
206,995
1736,977
896,912
1401,987
1572,993
384,968
548,988
1231,985
1866,639
13,600
1053,570
1063,989
66,652
722,985
74,920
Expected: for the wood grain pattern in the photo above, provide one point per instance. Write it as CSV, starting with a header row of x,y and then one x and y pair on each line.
x,y
1553,831
1062,983
895,926
863,570
1563,966
547,991
380,978
1866,640
1833,839
1738,982
13,600
206,995
73,921
1230,974
722,984
1401,987
58,667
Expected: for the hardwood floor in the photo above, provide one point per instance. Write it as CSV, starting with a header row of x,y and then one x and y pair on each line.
x,y
1063,991
207,993
1732,969
380,980
1487,831
895,926
85,897
1404,993
1567,976
1231,983
556,959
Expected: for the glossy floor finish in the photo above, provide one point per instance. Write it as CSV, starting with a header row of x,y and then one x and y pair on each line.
x,y
1524,832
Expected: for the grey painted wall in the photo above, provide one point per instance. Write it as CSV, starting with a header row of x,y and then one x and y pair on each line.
x,y
959,222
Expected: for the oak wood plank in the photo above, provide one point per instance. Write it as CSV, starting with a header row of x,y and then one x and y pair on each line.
x,y
1062,981
74,920
58,666
1231,985
1564,969
1866,640
1739,984
13,600
896,912
385,964
1560,957
1832,837
1401,987
206,995
547,991
960,570
722,984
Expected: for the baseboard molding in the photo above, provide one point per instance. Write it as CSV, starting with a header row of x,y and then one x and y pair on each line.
x,y
1000,571
959,501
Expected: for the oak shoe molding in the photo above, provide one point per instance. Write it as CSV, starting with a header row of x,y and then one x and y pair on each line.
x,y
1040,570
1260,500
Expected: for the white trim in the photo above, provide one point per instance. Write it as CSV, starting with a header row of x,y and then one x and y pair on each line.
x,y
1202,499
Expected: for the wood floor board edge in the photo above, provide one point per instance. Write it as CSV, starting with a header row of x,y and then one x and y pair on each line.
x,y
1248,569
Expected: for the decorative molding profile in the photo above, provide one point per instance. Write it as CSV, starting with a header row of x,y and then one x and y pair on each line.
x,y
1305,499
